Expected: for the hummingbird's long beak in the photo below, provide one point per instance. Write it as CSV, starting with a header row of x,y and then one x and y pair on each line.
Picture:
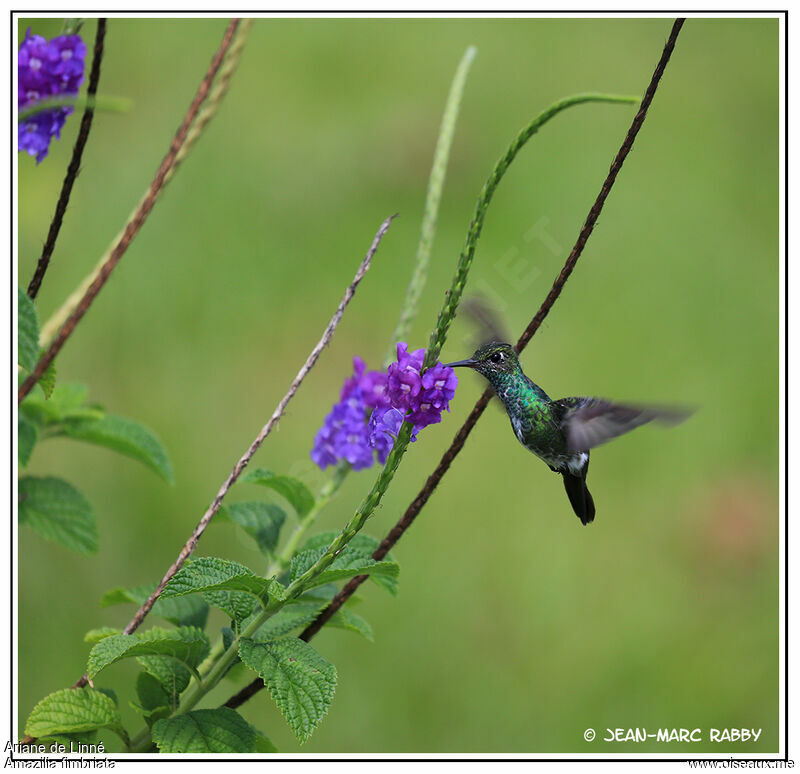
x,y
468,363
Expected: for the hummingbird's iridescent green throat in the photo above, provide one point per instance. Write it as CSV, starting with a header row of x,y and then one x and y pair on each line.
x,y
560,432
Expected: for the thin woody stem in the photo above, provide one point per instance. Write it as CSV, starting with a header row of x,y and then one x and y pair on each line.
x,y
461,436
138,220
218,92
74,165
212,509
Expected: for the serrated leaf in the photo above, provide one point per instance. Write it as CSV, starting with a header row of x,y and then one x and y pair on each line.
x,y
47,383
212,574
347,565
287,619
96,635
66,400
262,521
173,676
26,439
347,619
152,695
364,543
182,611
27,331
124,436
291,489
74,711
237,605
300,680
59,512
220,730
187,645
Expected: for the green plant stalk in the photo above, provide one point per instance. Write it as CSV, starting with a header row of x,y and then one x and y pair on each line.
x,y
326,494
72,26
281,562
453,296
99,103
436,181
218,91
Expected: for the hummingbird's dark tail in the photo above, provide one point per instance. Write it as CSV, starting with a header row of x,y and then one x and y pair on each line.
x,y
579,496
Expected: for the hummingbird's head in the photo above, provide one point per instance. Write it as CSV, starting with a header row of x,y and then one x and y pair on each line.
x,y
493,358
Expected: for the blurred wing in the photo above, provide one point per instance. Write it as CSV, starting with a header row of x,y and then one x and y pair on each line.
x,y
487,320
589,422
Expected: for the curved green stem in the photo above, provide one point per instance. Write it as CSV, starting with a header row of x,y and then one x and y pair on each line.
x,y
453,296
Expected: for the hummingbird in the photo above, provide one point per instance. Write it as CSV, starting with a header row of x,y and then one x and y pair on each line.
x,y
560,432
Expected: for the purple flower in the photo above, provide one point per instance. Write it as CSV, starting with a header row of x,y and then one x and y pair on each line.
x,y
46,69
384,425
371,383
404,382
439,384
373,406
345,435
424,397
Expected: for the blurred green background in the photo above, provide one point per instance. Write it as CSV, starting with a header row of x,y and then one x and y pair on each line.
x,y
515,628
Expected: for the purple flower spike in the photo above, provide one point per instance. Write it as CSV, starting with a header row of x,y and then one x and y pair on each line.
x,y
373,405
46,70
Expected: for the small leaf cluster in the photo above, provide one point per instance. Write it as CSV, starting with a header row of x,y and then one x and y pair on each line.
x,y
51,506
179,664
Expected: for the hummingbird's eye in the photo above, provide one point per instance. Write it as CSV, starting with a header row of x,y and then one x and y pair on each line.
x,y
496,357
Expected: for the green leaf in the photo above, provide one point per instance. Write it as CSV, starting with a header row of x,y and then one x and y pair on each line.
x,y
28,331
262,521
74,711
188,645
154,699
346,619
26,439
236,604
173,676
124,436
364,543
48,380
66,400
348,564
150,692
291,489
300,681
212,574
182,611
96,635
220,730
288,618
59,512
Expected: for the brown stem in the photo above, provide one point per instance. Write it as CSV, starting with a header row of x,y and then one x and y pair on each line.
x,y
136,222
461,436
74,165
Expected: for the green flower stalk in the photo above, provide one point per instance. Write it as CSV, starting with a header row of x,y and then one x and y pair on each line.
x,y
453,296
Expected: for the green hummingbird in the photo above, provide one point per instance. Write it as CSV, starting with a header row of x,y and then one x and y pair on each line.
x,y
560,432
